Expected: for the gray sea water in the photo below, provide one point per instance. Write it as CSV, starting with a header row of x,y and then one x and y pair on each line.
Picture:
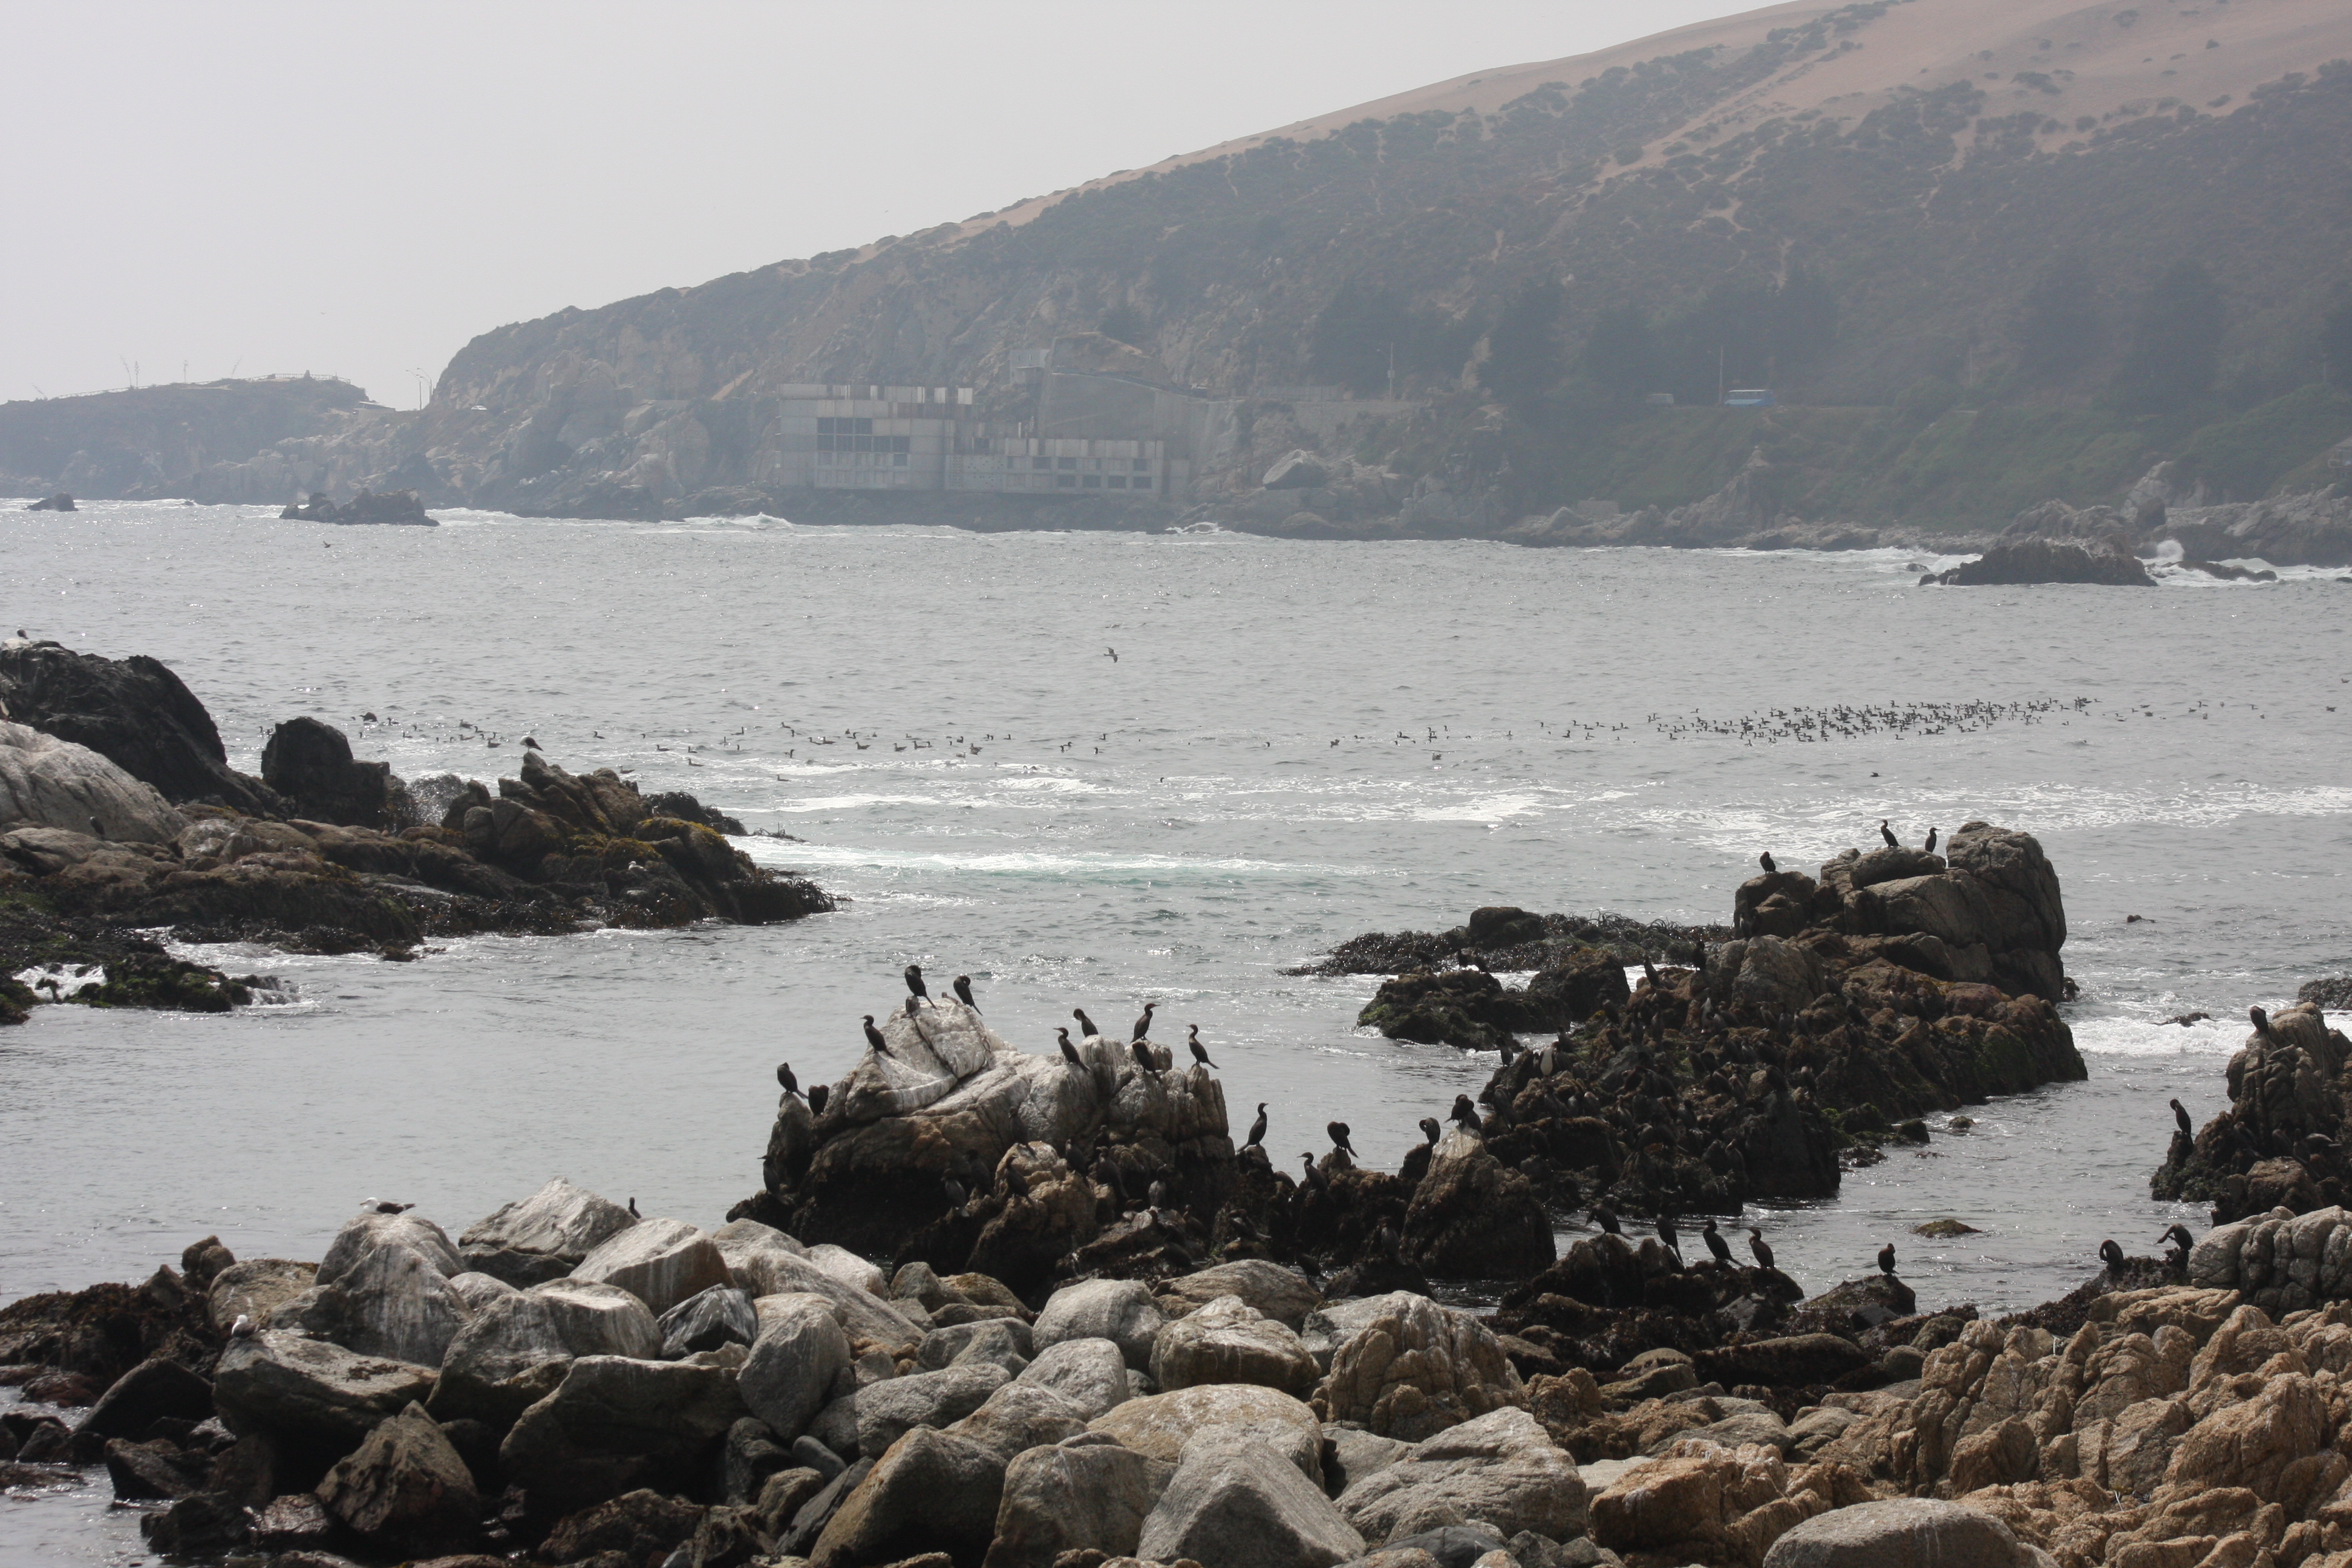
x,y
1295,742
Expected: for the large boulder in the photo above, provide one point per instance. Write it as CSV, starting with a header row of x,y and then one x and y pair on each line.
x,y
615,1423
1903,1532
1119,1310
1417,1369
1159,1425
659,1261
1281,1294
1230,1341
1233,1500
889,1409
544,1236
395,1304
797,1354
405,1488
1502,1469
1473,1216
363,1233
136,713
721,1315
1996,909
251,1288
284,1383
1691,1501
2030,561
310,765
156,1388
48,782
1084,1493
510,1355
929,1491
599,1319
863,1316
1091,1373
1020,1416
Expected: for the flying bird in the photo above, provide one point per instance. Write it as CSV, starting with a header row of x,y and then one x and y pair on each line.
x,y
1113,653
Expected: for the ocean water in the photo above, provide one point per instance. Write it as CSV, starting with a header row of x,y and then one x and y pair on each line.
x,y
1297,742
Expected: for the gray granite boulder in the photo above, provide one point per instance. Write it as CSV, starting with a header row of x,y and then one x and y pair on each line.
x,y
1019,1417
405,1490
364,1233
1161,1425
1416,1370
599,1319
886,1410
251,1288
1275,1292
797,1357
1235,1500
283,1382
660,1261
1904,1532
542,1236
396,1304
1501,1469
1091,1373
1228,1341
929,1491
53,783
510,1355
1085,1493
1119,1310
615,1423
721,1315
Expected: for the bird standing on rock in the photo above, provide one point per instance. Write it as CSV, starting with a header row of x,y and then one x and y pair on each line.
x,y
1143,1024
1760,1247
874,1037
954,1190
1716,1244
1315,1182
2183,1243
1142,1053
1069,1051
1607,1220
1258,1129
2262,1022
1886,1260
243,1329
1931,841
1193,1042
1465,1114
633,1210
2180,1115
964,991
1888,834
915,987
1430,1130
784,1076
2112,1256
1086,1024
1339,1132
816,1098
1667,1235
1765,860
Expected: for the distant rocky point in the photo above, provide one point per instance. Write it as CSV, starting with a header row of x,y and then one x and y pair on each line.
x,y
391,506
2046,561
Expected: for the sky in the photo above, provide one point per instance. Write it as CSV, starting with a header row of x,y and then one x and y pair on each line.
x,y
200,190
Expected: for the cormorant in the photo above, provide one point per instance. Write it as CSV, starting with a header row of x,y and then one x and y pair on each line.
x,y
1315,1182
1607,1221
1760,1247
1886,1260
1142,1053
1931,841
633,1210
1143,1024
874,1037
1069,1051
1015,1184
1086,1024
2180,1115
1257,1128
1716,1244
1765,860
915,985
1666,1234
1888,834
964,991
2183,1242
784,1076
1339,1132
1465,1113
954,1190
1105,1172
2112,1256
1650,973
1193,1041
2262,1022
1430,1130
816,1098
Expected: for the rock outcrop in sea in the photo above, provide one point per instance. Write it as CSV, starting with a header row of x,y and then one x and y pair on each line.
x,y
2032,561
119,813
2279,1149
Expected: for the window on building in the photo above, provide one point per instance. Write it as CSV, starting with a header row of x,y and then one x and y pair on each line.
x,y
845,426
1142,464
902,443
1143,481
1093,481
1068,463
897,460
1067,481
1041,462
1118,481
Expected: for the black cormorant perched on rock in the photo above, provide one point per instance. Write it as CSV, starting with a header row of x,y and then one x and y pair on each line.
x,y
2183,1242
1142,1053
1886,1260
2262,1022
531,744
874,1037
1607,1220
1765,860
1888,834
954,1190
2180,1115
1069,1051
1192,1043
1931,841
2112,1256
1432,1130
1313,1182
1760,1247
1143,1024
817,1095
1016,1185
1258,1129
1465,1113
1716,1244
1666,1234
1106,1173
915,986
1339,1132
1650,973
964,991
633,1210
784,1076
1086,1024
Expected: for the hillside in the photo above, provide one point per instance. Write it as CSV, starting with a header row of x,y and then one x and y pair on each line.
x,y
1907,205
155,440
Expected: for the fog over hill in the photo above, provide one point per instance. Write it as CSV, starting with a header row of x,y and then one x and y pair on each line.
x,y
1906,204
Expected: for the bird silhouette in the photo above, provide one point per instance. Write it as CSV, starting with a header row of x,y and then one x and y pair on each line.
x,y
784,1076
2183,1243
1888,834
1765,860
1886,1260
1339,1132
1143,1023
1430,1131
1667,1235
1931,841
1193,1042
633,1210
1069,1051
1142,1053
816,1098
1716,1244
1607,1220
874,1037
2262,1022
2112,1256
1258,1129
915,987
964,991
1086,1024
2180,1115
1314,1181
1464,1113
1760,1247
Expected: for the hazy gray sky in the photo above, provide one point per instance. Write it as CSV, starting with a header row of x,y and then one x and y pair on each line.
x,y
359,189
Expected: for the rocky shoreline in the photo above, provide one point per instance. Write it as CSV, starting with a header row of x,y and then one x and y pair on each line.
x,y
120,815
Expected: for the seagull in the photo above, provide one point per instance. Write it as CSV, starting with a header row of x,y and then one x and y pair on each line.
x,y
1069,1051
376,1206
784,1076
1193,1041
1258,1129
874,1037
1113,653
243,1329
